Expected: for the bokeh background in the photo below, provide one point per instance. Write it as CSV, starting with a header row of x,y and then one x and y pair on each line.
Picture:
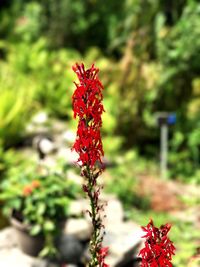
x,y
148,53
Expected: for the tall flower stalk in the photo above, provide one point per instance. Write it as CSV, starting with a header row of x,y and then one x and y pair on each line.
x,y
88,107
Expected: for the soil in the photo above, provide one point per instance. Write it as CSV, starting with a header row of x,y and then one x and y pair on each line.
x,y
167,196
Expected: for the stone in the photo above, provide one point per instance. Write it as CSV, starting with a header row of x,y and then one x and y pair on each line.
x,y
34,130
7,238
113,210
123,240
46,146
38,124
14,257
44,263
70,156
78,207
69,136
40,118
70,249
72,176
80,228
43,145
58,127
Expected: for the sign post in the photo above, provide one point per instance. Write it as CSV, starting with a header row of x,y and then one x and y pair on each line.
x,y
164,120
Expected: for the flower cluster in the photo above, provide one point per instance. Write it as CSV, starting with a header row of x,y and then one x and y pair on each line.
x,y
87,105
158,248
28,189
102,253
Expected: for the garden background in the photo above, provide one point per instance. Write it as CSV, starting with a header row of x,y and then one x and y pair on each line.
x,y
148,53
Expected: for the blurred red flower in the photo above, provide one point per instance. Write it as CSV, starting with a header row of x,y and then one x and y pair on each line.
x,y
158,249
27,190
103,252
35,184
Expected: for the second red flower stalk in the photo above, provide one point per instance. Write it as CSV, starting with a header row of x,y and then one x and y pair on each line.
x,y
158,248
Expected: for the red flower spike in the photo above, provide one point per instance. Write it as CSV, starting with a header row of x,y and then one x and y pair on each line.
x,y
158,249
87,105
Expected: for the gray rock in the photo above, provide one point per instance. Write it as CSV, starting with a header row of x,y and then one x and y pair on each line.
x,y
58,127
44,263
14,257
71,175
113,210
79,207
70,249
34,130
79,228
123,239
69,136
7,238
70,156
46,146
40,118
43,145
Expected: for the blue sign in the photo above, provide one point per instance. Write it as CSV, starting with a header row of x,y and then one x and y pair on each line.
x,y
171,119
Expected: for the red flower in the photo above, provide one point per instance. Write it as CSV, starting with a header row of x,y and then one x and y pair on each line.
x,y
102,253
27,190
35,184
87,105
158,248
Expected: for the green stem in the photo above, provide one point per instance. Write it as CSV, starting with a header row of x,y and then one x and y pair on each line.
x,y
96,222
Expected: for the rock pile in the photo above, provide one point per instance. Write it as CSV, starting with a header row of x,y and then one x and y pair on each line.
x,y
122,238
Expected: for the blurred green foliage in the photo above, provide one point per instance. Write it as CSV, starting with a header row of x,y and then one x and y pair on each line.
x,y
15,101
124,180
148,54
78,24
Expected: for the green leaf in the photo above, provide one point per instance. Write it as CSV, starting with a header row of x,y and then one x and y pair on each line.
x,y
48,251
41,208
16,203
49,226
44,252
36,229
